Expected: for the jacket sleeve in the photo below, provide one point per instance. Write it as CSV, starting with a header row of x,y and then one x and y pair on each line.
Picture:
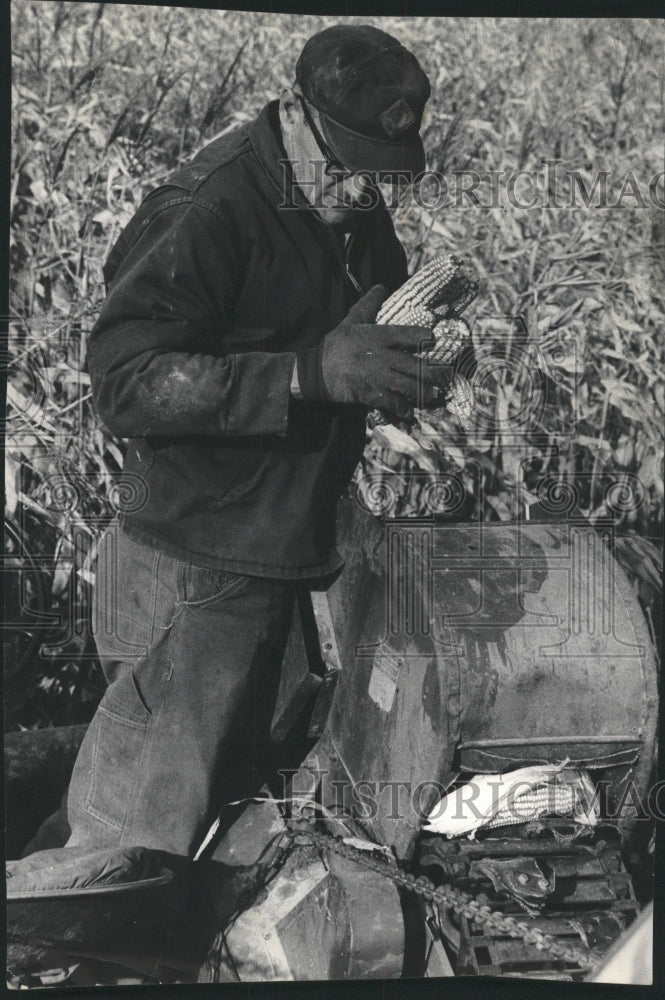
x,y
154,356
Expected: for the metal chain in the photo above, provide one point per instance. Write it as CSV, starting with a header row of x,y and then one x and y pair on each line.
x,y
462,903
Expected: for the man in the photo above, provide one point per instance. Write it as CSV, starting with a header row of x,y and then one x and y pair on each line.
x,y
236,350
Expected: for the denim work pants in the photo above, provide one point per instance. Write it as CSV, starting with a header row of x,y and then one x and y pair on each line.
x,y
192,657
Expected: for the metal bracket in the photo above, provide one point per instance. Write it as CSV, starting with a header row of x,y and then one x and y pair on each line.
x,y
331,660
326,630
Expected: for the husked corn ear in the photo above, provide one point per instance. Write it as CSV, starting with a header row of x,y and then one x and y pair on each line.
x,y
557,799
424,288
417,316
433,298
460,400
451,335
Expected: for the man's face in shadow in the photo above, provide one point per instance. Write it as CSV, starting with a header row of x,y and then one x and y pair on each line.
x,y
335,198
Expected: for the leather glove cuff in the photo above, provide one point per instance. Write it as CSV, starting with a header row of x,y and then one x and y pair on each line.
x,y
310,374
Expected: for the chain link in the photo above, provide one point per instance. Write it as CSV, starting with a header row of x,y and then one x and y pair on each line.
x,y
462,903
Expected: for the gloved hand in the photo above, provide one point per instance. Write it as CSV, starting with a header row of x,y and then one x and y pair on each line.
x,y
361,362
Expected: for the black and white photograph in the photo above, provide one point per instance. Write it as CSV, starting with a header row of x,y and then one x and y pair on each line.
x,y
332,578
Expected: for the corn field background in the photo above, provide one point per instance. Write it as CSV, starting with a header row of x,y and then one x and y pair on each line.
x,y
108,99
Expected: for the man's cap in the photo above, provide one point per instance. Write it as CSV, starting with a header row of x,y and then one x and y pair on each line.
x,y
370,93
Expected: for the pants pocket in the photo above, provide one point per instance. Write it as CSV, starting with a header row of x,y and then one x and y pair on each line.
x,y
115,751
201,587
134,601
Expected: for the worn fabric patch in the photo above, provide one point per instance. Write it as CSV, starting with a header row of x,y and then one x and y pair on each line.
x,y
397,118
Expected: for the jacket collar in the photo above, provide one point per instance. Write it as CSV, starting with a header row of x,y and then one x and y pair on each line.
x,y
265,136
266,139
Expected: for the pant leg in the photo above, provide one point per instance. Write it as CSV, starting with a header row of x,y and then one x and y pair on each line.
x,y
123,626
193,658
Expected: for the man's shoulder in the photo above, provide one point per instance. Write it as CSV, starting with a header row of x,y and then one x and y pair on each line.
x,y
217,161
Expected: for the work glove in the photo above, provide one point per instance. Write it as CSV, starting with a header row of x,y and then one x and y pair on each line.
x,y
375,365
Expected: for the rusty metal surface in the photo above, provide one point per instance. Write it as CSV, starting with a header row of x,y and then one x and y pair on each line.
x,y
318,919
553,642
393,719
324,699
514,642
326,630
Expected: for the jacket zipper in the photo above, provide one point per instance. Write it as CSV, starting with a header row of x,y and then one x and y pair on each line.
x,y
343,258
347,255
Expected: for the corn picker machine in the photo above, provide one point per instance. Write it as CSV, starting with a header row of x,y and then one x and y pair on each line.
x,y
445,652
462,750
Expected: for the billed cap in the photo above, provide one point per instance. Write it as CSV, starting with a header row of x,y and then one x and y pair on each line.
x,y
370,92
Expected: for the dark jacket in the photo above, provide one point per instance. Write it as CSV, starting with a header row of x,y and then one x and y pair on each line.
x,y
212,287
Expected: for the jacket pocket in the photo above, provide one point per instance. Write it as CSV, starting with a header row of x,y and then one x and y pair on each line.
x,y
244,480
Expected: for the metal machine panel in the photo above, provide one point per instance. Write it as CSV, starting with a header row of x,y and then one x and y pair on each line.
x,y
481,647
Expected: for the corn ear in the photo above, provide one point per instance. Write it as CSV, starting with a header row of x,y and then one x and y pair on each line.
x,y
424,288
433,298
